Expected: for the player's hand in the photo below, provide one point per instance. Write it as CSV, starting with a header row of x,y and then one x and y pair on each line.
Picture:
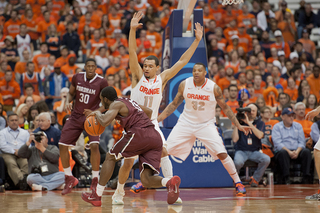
x,y
87,112
135,20
312,114
68,107
245,129
198,31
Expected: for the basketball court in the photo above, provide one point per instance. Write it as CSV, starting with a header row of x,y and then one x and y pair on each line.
x,y
280,198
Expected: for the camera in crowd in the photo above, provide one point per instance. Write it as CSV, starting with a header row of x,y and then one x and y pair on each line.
x,y
37,136
241,112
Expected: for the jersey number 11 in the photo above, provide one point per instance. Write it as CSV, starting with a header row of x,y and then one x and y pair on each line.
x,y
148,101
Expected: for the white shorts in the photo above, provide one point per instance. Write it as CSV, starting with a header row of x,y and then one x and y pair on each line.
x,y
156,126
184,134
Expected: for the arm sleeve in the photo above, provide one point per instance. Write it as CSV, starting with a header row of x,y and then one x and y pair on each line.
x,y
276,138
4,145
301,138
24,151
314,132
52,154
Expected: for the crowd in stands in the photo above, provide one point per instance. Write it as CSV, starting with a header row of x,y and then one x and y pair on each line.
x,y
255,54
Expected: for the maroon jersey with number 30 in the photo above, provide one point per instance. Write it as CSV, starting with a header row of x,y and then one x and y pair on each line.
x,y
87,92
136,118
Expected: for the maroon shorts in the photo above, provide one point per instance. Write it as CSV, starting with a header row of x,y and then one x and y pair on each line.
x,y
73,129
145,142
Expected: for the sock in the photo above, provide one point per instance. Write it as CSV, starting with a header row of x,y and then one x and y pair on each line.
x,y
95,174
67,171
164,181
166,167
120,187
230,167
100,190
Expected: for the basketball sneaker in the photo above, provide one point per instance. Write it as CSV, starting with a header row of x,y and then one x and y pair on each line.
x,y
94,184
314,197
241,190
137,188
173,189
92,198
70,182
117,198
253,182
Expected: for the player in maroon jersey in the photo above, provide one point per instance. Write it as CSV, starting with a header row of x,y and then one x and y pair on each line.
x,y
85,92
140,138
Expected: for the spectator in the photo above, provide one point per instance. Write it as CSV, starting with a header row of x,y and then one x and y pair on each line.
x,y
284,100
245,17
43,26
307,19
245,40
23,41
210,33
288,28
225,81
248,146
266,44
58,106
70,69
10,90
124,57
94,44
299,11
12,55
291,89
102,59
255,8
266,115
48,176
22,112
31,117
214,51
308,45
53,134
63,59
12,26
298,48
71,39
42,59
30,21
314,81
28,91
115,16
233,95
21,66
53,40
84,38
47,69
254,31
231,30
281,14
289,144
116,66
3,120
263,18
111,82
33,78
11,139
300,111
311,103
280,44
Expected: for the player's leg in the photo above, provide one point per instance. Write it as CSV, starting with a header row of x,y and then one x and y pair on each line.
x,y
316,154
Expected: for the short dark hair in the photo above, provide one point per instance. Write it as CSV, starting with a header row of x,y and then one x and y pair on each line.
x,y
43,43
316,66
28,85
202,64
29,62
109,93
12,114
152,57
23,24
91,59
232,85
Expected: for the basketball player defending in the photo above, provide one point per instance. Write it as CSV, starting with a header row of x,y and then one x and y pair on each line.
x,y
198,121
140,138
85,91
147,90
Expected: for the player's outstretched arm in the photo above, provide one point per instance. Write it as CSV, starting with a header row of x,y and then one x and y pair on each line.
x,y
70,95
174,104
227,110
133,58
185,58
313,113
109,116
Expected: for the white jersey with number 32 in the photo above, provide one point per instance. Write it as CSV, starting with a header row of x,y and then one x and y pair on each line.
x,y
200,106
148,93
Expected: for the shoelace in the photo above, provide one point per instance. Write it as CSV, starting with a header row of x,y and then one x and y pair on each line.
x,y
139,185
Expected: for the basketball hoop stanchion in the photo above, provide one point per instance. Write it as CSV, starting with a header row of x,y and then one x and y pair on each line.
x,y
226,2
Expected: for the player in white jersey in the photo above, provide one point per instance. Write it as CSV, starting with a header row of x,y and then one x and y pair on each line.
x,y
316,154
147,90
198,121
23,41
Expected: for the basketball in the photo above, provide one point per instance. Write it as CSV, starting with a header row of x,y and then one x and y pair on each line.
x,y
93,127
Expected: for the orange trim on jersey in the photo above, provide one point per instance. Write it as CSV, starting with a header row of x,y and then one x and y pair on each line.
x,y
202,85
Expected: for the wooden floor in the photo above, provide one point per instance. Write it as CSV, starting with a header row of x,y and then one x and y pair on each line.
x,y
280,198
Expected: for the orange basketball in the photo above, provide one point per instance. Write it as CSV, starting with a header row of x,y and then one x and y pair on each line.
x,y
93,127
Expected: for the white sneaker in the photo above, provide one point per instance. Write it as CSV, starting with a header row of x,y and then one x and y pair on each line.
x,y
117,198
61,187
179,201
36,187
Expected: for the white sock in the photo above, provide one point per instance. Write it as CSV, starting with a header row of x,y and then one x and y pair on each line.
x,y
166,167
230,167
100,190
120,187
164,181
67,171
95,174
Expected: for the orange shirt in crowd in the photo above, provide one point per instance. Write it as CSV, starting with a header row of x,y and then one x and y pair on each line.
x,y
60,115
41,60
115,21
143,8
92,25
314,85
230,48
96,44
57,6
269,126
223,83
113,70
9,88
164,21
293,93
125,61
43,28
155,39
207,18
1,100
143,55
308,45
11,28
229,32
226,19
32,24
245,19
271,59
104,8
287,35
63,61
218,16
20,67
69,70
36,5
253,99
94,18
245,41
222,44
259,91
109,31
119,93
35,98
282,46
306,126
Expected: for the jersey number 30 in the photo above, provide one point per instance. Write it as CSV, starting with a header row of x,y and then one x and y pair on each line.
x,y
198,105
84,98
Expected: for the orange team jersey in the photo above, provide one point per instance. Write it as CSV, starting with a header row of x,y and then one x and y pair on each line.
x,y
258,92
282,46
63,61
245,19
53,39
124,61
222,44
226,19
60,115
245,41
103,8
269,126
109,31
32,24
308,45
21,67
306,126
113,70
9,88
233,105
115,21
287,35
33,80
293,93
94,18
143,55
155,39
36,5
164,21
11,28
223,83
43,29
36,98
253,99
41,60
206,19
96,44
92,26
218,16
57,6
229,32
142,8
69,71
